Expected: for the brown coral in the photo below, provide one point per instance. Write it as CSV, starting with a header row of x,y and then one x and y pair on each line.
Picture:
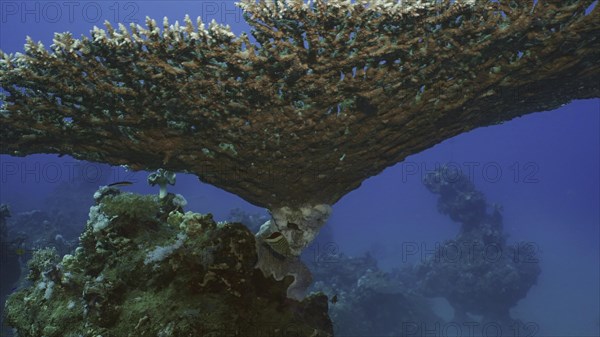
x,y
328,95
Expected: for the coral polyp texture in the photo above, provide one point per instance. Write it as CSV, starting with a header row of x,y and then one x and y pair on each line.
x,y
326,95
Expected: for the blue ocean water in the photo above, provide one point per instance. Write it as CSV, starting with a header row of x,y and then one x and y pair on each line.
x,y
543,168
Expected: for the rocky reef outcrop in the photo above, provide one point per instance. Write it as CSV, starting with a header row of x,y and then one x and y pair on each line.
x,y
144,267
478,272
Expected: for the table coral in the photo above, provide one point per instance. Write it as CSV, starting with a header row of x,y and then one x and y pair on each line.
x,y
328,94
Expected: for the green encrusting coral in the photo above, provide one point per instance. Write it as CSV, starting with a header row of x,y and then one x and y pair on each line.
x,y
132,206
146,268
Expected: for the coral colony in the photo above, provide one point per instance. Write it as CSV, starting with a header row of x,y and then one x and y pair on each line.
x,y
327,94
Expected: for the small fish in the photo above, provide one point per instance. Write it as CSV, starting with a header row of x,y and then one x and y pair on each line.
x,y
293,226
20,251
279,244
334,299
120,184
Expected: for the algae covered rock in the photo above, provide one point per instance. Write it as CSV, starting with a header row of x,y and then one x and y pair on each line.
x,y
146,268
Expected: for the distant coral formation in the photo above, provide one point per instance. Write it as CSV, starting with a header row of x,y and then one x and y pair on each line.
x,y
146,268
478,272
330,93
366,301
251,220
10,268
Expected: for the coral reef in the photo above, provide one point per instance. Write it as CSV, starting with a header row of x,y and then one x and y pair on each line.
x,y
458,197
477,272
252,221
330,93
299,227
36,229
161,178
281,240
146,268
4,213
10,268
368,301
68,203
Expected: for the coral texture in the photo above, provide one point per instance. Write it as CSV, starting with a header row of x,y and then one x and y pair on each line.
x,y
158,271
329,94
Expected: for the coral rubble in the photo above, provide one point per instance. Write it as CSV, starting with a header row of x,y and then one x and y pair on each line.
x,y
146,268
331,92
